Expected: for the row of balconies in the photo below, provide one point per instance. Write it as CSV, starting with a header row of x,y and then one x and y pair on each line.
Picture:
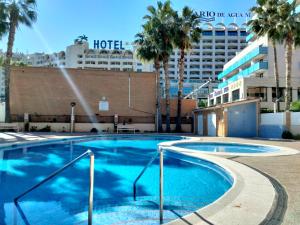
x,y
256,68
258,52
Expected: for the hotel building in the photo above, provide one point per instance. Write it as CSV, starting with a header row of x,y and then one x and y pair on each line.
x,y
204,61
250,74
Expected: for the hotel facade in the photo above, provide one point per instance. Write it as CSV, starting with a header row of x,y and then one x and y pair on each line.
x,y
251,75
204,61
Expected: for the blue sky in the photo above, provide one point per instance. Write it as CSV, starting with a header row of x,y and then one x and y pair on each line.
x,y
61,21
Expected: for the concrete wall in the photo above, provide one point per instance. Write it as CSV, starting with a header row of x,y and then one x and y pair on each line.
x,y
272,125
295,123
242,120
86,127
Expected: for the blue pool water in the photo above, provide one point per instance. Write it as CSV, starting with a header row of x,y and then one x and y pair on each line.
x,y
226,147
189,183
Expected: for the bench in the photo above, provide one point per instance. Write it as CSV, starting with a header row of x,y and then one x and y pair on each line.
x,y
125,128
9,126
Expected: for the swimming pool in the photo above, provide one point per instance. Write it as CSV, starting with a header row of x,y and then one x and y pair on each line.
x,y
226,147
189,183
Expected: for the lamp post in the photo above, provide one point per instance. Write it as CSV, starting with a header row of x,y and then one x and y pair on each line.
x,y
73,104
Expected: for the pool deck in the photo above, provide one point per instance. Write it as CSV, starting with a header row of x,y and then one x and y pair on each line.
x,y
282,171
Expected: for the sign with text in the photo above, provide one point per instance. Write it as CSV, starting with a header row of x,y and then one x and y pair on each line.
x,y
103,106
209,16
109,44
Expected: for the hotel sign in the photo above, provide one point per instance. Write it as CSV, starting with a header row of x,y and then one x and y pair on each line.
x,y
108,44
209,16
235,85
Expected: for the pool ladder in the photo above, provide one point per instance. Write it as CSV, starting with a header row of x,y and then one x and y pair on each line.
x,y
54,174
161,180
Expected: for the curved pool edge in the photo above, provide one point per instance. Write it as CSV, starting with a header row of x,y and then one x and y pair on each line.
x,y
47,140
282,151
241,204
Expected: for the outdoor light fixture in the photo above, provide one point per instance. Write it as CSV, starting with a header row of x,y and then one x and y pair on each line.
x,y
73,104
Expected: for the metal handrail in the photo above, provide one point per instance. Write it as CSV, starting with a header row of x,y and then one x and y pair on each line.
x,y
160,152
91,189
141,174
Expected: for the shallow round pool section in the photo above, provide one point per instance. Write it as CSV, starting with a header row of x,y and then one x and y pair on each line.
x,y
226,147
189,183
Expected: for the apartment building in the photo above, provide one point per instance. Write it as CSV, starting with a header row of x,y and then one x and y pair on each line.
x,y
250,74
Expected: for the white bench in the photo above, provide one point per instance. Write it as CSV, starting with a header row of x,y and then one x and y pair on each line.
x,y
125,128
9,126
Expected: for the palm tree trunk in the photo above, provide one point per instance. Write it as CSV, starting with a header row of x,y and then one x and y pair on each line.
x,y
276,75
167,91
180,88
288,59
158,96
9,53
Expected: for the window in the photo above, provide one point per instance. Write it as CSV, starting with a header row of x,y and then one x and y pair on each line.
x,y
232,33
115,69
225,98
298,93
207,41
207,33
236,95
243,33
258,92
218,100
115,63
281,94
220,33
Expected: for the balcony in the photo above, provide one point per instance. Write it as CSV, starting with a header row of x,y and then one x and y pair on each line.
x,y
251,55
257,67
249,37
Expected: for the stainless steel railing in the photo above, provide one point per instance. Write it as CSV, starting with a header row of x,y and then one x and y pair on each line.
x,y
161,180
91,185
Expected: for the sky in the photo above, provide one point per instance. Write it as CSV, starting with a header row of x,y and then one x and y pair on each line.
x,y
61,21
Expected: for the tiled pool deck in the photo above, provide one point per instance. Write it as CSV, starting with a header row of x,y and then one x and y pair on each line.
x,y
283,171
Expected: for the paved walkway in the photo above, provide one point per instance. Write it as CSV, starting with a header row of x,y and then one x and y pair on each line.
x,y
283,171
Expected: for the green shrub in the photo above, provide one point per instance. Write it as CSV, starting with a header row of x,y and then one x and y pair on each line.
x,y
297,137
266,110
287,135
202,104
94,130
46,129
295,106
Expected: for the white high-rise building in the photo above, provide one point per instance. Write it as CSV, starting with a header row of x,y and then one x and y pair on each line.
x,y
205,61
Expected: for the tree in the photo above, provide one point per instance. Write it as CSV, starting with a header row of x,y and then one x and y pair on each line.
x,y
161,19
288,26
187,32
262,24
148,50
16,13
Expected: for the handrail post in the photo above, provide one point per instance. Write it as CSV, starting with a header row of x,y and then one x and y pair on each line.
x,y
91,190
161,184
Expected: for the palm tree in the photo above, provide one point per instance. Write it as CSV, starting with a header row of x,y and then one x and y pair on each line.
x,y
288,26
262,24
17,13
3,20
162,22
147,50
187,33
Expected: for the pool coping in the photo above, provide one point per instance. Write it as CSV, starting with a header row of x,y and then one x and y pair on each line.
x,y
241,204
282,150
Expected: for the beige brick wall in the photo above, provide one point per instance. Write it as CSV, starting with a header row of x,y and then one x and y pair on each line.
x,y
45,91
